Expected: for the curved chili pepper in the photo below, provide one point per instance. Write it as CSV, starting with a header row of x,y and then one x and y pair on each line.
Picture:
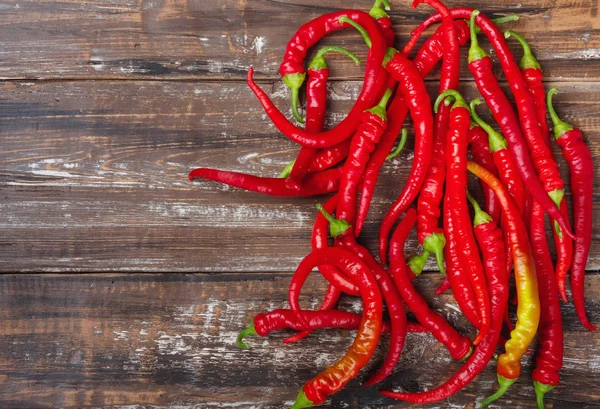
x,y
456,203
332,379
383,19
316,184
395,308
480,66
581,166
489,237
480,150
528,309
412,87
549,359
396,115
367,136
458,345
265,323
316,106
308,35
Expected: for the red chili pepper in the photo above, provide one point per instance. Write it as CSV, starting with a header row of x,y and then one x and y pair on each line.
x,y
308,35
316,184
339,229
459,278
581,166
456,203
480,66
458,345
372,126
332,379
549,358
263,324
383,19
412,87
480,150
316,106
443,287
396,115
489,237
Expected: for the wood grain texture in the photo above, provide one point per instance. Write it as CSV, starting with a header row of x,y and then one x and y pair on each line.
x,y
93,176
168,341
220,39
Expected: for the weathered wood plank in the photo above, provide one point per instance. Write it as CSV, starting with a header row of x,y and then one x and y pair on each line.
x,y
221,39
93,176
165,341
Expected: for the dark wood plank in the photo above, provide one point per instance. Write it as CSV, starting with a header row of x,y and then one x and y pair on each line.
x,y
221,39
93,176
166,341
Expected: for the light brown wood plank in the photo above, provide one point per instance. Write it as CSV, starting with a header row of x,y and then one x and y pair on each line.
x,y
166,341
220,39
93,176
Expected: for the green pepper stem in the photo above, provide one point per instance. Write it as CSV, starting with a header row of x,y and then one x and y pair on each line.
x,y
319,63
377,11
557,196
380,108
294,82
302,401
528,60
459,101
287,170
560,126
435,243
475,51
505,383
541,389
389,54
337,227
243,334
401,144
361,30
496,140
417,263
480,216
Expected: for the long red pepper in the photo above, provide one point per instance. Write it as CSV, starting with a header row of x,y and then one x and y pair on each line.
x,y
534,77
528,309
372,126
480,150
581,166
458,345
315,184
265,323
316,106
308,35
456,203
480,66
345,238
332,379
412,87
489,237
378,12
549,359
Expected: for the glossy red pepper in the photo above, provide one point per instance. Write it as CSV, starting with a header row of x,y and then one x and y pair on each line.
x,y
378,12
308,35
332,379
412,87
581,166
549,358
481,67
457,140
458,345
316,106
489,237
315,184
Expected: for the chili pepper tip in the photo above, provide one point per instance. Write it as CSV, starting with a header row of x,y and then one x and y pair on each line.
x,y
244,333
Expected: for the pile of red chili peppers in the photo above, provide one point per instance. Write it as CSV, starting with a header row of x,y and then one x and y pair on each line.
x,y
480,251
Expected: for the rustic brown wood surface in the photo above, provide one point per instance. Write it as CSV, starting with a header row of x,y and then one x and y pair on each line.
x,y
105,106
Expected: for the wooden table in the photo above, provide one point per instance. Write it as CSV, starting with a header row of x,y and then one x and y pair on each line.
x,y
137,281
